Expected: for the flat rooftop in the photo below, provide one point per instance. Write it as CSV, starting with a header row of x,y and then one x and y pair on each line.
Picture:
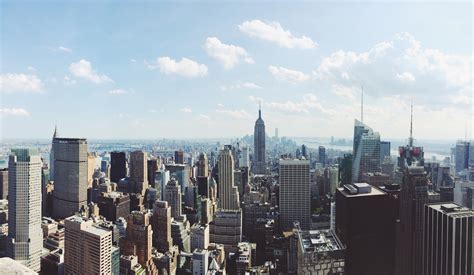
x,y
319,241
373,192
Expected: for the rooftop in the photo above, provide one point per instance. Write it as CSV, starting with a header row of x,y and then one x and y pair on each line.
x,y
319,241
362,186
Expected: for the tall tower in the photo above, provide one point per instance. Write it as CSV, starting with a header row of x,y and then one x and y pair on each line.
x,y
259,165
203,166
118,166
161,224
295,201
51,155
25,237
228,193
70,176
413,181
173,197
366,151
138,171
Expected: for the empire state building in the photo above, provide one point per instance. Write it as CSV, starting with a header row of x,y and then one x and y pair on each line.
x,y
259,165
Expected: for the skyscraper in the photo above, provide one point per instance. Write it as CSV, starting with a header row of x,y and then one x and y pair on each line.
x,y
413,181
118,166
364,225
51,155
173,197
461,155
244,157
295,203
259,163
322,154
161,225
366,151
179,157
228,193
3,183
202,166
138,171
87,247
152,167
70,176
448,239
384,150
25,236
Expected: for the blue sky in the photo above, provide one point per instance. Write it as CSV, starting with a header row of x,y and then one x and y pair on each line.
x,y
162,69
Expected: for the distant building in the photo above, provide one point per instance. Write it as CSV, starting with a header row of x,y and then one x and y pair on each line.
x,y
88,248
3,183
202,166
152,167
295,203
384,150
376,179
138,171
179,157
461,158
447,239
118,166
173,196
259,160
25,237
366,151
322,155
228,193
161,224
70,176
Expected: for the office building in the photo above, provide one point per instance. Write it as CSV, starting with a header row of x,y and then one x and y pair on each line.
x,y
365,227
322,155
138,171
25,236
3,183
161,225
199,236
461,157
113,205
226,229
228,193
448,241
244,159
319,252
259,160
179,157
152,165
295,203
87,247
161,179
51,155
200,262
366,151
203,166
384,150
173,196
118,166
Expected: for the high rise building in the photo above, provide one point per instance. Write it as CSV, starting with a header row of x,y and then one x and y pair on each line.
x,y
461,158
295,203
161,224
179,157
199,236
70,176
173,196
25,236
118,166
228,193
384,150
87,247
366,151
202,166
138,171
51,155
364,225
244,157
413,181
3,183
322,155
226,229
448,240
259,161
152,165
200,262
304,151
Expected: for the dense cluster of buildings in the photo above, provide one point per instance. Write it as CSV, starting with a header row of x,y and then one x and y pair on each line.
x,y
256,206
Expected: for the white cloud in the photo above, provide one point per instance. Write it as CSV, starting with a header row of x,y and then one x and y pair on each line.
x,y
239,114
244,85
436,78
185,67
308,103
186,110
69,81
31,68
13,112
133,60
406,77
118,92
226,54
10,82
204,117
282,73
274,32
343,91
64,49
83,69
220,105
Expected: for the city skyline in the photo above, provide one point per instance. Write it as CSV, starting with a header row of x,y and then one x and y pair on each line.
x,y
98,66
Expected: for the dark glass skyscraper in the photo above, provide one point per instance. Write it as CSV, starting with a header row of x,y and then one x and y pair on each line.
x,y
118,166
259,145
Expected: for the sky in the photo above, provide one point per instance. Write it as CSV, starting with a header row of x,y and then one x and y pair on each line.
x,y
110,69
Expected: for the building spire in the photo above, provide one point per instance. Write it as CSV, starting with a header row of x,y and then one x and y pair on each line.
x,y
362,105
259,109
410,140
